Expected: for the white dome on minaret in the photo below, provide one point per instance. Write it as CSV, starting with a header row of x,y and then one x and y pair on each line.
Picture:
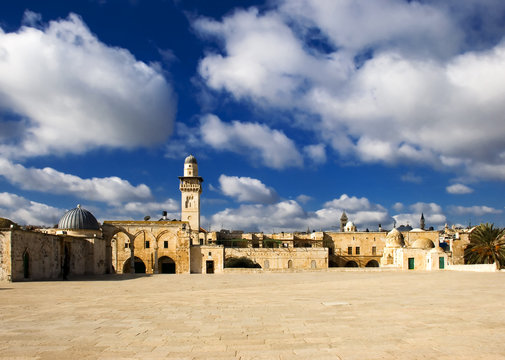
x,y
190,166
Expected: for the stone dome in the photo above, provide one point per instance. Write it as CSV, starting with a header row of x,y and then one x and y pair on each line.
x,y
423,244
190,160
78,219
394,239
349,227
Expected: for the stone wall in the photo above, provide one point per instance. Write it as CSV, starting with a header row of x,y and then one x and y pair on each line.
x,y
152,243
5,255
204,256
283,258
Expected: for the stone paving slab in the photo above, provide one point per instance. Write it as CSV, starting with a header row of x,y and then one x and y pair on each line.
x,y
314,315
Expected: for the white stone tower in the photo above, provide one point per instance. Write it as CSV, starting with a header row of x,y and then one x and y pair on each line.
x,y
191,188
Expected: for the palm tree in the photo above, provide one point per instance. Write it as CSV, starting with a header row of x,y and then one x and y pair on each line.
x,y
487,245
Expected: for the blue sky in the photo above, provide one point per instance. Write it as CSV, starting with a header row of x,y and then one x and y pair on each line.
x,y
296,110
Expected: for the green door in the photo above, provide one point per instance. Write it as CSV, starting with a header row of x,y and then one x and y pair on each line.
x,y
441,262
411,263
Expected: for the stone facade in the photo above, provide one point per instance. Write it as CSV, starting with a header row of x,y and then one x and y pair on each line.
x,y
283,258
150,247
34,255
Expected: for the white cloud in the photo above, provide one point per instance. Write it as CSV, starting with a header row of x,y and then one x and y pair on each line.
x,y
111,190
71,93
398,206
151,208
433,214
272,147
289,215
317,153
348,203
410,26
459,189
246,189
302,198
26,212
420,93
412,178
474,210
31,18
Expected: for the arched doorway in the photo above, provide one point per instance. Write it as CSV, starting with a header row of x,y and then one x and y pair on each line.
x,y
140,267
166,265
372,263
290,264
26,265
351,264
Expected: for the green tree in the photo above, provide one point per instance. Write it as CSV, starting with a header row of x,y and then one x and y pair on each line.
x,y
487,246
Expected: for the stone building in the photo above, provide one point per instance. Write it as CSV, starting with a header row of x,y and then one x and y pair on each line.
x,y
81,246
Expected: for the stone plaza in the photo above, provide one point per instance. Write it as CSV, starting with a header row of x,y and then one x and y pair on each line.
x,y
327,314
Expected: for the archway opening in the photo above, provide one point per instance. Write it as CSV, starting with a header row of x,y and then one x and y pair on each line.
x,y
140,267
166,265
351,264
372,263
240,262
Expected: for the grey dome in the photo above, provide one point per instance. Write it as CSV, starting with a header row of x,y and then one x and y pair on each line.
x,y
190,160
78,219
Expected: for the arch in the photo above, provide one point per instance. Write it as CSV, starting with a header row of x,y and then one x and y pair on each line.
x,y
313,264
372,263
166,265
332,263
26,264
290,264
351,263
140,267
170,237
240,262
139,241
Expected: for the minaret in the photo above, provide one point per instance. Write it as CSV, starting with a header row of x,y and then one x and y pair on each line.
x,y
343,221
191,188
421,223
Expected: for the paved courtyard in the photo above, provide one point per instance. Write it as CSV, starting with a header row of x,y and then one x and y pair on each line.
x,y
312,315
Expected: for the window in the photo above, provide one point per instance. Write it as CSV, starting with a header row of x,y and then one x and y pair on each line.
x,y
165,244
147,244
349,250
357,250
374,250
126,244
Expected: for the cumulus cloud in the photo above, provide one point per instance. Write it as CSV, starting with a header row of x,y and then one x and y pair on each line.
x,y
151,208
433,214
246,189
412,178
317,153
474,210
111,190
400,83
459,189
302,198
70,92
289,215
269,146
27,212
